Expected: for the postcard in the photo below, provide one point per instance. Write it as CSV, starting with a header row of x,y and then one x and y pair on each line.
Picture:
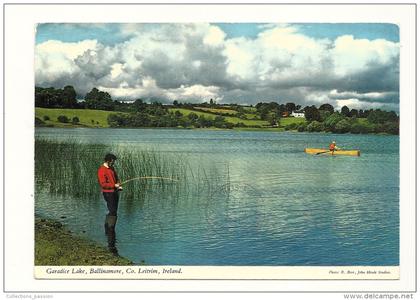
x,y
259,144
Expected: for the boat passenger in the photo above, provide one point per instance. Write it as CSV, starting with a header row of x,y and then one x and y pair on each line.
x,y
333,147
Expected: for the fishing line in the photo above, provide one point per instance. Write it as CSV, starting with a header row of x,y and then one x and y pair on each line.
x,y
148,177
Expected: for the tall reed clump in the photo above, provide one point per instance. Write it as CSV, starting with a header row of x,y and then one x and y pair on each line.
x,y
70,168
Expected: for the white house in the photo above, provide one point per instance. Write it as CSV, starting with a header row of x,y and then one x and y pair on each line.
x,y
298,114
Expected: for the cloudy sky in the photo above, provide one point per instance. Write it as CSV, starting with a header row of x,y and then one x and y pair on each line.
x,y
342,64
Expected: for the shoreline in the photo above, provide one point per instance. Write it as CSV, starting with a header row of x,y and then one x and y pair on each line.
x,y
55,245
269,129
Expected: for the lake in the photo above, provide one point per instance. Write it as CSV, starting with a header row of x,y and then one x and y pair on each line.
x,y
271,203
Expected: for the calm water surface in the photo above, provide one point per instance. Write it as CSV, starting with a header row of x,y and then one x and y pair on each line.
x,y
283,207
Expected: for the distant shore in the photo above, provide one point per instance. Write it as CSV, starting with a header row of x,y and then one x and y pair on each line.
x,y
199,119
57,246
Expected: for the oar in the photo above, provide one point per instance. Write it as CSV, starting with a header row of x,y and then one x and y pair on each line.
x,y
328,151
147,177
322,152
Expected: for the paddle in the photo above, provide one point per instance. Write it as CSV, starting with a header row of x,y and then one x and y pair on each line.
x,y
328,151
323,152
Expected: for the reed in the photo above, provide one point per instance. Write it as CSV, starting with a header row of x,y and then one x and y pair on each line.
x,y
70,168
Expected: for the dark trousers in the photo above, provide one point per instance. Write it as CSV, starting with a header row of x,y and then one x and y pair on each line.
x,y
111,199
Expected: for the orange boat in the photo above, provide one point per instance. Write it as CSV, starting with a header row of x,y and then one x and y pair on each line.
x,y
317,151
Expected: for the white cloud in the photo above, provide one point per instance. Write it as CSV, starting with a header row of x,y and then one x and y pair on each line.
x,y
196,62
241,59
214,37
55,59
352,55
278,54
116,70
66,50
196,92
317,97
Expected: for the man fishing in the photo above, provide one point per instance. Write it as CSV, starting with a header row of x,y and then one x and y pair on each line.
x,y
110,184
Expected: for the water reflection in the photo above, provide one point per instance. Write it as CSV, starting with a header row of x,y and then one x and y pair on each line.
x,y
110,222
255,199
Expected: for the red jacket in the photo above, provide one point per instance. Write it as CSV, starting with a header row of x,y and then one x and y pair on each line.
x,y
107,178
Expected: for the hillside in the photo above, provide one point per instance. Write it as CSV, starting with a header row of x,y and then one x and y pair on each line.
x,y
214,113
99,118
87,117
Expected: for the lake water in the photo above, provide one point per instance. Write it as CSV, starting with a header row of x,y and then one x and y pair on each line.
x,y
282,206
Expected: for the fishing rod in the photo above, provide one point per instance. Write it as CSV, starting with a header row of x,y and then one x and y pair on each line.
x,y
147,177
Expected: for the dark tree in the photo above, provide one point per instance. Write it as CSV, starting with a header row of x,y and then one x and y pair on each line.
x,y
192,116
63,119
327,107
139,105
97,99
69,97
290,107
178,114
354,113
75,120
345,111
379,116
312,113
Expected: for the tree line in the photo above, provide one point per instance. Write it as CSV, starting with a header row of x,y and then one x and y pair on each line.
x,y
344,121
326,118
158,115
155,114
66,98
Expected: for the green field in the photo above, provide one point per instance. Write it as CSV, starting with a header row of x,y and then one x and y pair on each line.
x,y
236,120
363,121
87,117
233,120
218,110
186,112
291,120
250,109
98,118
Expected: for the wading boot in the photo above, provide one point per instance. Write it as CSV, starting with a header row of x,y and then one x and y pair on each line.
x,y
106,226
112,243
111,221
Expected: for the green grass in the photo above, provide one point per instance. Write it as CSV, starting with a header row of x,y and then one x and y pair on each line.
x,y
233,120
61,166
85,116
250,109
56,246
251,116
218,110
186,112
291,120
363,121
99,117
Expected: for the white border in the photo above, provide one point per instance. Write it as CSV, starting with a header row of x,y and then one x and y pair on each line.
x,y
20,22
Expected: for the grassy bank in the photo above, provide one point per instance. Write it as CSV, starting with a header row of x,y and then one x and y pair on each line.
x,y
98,118
233,120
55,245
87,117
